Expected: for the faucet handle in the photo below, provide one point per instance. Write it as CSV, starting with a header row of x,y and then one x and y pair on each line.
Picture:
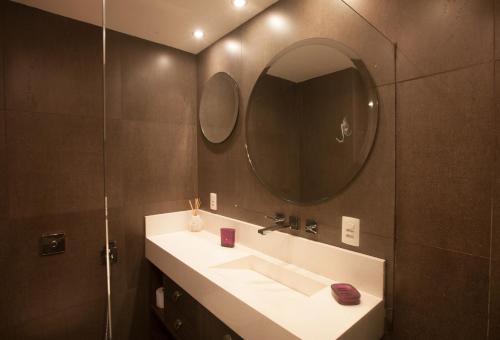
x,y
294,222
277,218
311,227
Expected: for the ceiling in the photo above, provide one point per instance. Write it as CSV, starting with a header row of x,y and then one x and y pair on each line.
x,y
168,22
308,62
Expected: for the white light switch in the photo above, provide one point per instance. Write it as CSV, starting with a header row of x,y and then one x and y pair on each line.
x,y
213,201
350,231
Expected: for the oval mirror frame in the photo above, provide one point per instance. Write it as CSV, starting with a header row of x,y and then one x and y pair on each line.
x,y
369,140
219,107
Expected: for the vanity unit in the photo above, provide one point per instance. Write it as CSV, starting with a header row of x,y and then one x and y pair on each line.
x,y
272,286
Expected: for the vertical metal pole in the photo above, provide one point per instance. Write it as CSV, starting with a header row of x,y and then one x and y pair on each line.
x,y
109,328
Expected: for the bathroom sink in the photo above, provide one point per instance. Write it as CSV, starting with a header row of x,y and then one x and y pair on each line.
x,y
272,287
282,273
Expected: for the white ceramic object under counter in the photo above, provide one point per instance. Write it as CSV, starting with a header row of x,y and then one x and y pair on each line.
x,y
273,286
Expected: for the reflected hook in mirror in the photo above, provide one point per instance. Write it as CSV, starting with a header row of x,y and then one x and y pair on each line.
x,y
345,129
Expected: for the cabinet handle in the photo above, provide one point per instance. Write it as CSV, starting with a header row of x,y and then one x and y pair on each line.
x,y
227,337
176,295
177,324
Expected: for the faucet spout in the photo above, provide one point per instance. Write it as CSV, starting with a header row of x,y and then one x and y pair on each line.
x,y
279,222
272,228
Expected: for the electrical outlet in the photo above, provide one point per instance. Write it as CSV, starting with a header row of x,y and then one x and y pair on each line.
x,y
213,201
350,231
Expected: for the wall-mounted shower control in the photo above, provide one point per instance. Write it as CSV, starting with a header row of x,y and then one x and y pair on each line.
x,y
113,253
51,244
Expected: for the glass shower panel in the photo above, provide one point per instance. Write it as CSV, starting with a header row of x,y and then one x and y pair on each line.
x,y
150,122
52,171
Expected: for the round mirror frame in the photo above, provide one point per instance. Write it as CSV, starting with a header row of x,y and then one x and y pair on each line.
x,y
236,99
372,94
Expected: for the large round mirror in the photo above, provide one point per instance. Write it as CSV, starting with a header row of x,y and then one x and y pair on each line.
x,y
219,107
311,121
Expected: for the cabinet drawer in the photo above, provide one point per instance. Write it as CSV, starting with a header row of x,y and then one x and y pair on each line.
x,y
180,327
214,329
178,301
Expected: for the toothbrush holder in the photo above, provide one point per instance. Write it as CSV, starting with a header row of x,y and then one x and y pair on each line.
x,y
196,223
227,237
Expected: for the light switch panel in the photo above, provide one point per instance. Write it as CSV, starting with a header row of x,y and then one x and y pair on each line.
x,y
213,201
350,231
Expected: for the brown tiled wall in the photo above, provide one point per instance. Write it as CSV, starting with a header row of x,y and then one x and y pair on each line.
x,y
447,182
447,170
151,160
224,168
447,268
52,174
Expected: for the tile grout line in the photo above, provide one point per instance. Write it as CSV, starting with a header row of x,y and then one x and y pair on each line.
x,y
461,68
444,249
369,23
5,183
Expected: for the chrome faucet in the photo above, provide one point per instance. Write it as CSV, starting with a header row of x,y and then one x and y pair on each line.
x,y
279,223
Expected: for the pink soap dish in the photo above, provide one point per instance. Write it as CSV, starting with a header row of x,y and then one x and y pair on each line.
x,y
227,237
345,294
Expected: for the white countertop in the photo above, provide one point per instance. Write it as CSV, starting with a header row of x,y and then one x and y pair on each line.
x,y
253,304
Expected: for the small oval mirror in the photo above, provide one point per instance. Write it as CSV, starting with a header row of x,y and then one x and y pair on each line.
x,y
219,107
311,121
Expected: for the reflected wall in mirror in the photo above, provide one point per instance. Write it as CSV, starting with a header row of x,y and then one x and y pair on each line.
x,y
311,121
219,107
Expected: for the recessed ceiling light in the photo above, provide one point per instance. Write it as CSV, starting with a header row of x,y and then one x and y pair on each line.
x,y
239,3
198,34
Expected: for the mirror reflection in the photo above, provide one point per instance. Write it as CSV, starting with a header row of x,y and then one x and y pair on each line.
x,y
219,107
311,121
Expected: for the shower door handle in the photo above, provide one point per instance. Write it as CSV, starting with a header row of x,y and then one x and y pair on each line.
x,y
113,253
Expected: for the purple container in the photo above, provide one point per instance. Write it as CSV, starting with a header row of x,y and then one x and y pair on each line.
x,y
227,236
345,294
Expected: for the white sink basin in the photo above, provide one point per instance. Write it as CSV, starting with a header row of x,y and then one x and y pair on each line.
x,y
284,274
268,287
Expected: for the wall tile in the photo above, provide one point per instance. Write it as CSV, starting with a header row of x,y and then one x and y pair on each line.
x,y
261,41
2,44
496,172
54,164
132,312
66,55
222,56
440,294
494,323
151,160
495,247
224,168
497,29
219,163
37,286
158,161
113,74
86,321
3,169
382,14
159,83
440,35
445,156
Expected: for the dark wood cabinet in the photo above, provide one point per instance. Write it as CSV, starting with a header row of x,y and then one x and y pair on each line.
x,y
183,317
